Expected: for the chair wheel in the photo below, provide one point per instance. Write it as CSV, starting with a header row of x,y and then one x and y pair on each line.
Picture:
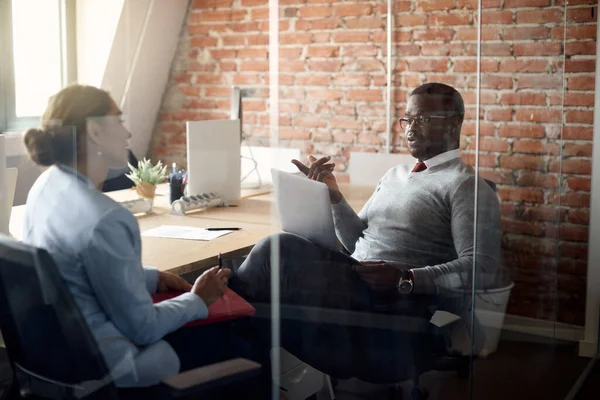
x,y
418,393
395,393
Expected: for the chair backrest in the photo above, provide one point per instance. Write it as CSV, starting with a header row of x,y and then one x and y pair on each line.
x,y
47,340
116,179
368,168
491,184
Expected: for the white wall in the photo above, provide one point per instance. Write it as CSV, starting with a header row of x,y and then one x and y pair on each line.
x,y
97,22
140,60
127,47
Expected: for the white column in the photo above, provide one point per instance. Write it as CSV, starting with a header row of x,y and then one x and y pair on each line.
x,y
274,142
589,345
3,189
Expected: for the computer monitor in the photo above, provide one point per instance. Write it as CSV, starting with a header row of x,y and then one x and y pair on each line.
x,y
236,105
237,111
8,183
3,187
213,157
249,163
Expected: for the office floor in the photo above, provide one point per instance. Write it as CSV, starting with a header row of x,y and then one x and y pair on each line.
x,y
523,368
591,387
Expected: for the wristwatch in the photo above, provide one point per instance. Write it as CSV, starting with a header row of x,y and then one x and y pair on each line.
x,y
405,284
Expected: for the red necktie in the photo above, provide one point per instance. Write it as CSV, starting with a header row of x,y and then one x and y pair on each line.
x,y
419,166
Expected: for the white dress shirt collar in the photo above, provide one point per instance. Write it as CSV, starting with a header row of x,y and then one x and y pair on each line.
x,y
442,158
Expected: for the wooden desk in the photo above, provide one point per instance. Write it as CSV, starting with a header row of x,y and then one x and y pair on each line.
x,y
254,215
181,256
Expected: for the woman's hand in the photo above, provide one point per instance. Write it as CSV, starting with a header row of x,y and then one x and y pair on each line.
x,y
171,282
211,285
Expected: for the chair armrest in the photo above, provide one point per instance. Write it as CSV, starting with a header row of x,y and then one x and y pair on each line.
x,y
211,376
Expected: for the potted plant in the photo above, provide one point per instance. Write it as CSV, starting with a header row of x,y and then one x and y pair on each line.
x,y
146,176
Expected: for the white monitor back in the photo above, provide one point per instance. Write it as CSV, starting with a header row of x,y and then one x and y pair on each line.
x,y
213,155
10,187
368,168
4,218
8,183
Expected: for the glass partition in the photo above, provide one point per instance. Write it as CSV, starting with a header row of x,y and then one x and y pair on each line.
x,y
525,74
439,247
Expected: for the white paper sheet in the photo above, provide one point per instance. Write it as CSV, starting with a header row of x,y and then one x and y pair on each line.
x,y
183,232
443,318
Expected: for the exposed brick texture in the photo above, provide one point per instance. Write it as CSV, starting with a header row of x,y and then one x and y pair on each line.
x,y
333,96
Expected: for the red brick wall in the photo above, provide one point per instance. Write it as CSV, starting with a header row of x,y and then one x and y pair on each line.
x,y
332,101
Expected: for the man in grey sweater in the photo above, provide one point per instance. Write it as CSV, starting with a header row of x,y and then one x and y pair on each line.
x,y
423,233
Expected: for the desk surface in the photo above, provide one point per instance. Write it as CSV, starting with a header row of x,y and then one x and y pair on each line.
x,y
181,256
255,214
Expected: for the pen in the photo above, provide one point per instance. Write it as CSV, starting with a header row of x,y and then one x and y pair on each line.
x,y
223,229
220,261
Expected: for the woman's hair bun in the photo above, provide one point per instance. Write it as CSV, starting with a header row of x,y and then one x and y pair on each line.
x,y
40,146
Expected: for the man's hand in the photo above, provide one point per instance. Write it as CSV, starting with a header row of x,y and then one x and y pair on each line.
x,y
171,282
320,170
211,285
381,278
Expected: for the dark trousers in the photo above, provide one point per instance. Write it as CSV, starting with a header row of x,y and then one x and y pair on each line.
x,y
329,317
202,345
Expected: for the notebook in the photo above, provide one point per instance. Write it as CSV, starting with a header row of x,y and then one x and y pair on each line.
x,y
230,306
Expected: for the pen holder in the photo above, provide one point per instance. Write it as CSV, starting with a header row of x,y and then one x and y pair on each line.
x,y
187,204
138,206
175,188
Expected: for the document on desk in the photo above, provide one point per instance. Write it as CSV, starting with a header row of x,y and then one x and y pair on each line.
x,y
184,232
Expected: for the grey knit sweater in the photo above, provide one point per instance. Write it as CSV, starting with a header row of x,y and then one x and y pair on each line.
x,y
425,221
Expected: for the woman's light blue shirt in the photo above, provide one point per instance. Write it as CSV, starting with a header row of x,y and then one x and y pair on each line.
x,y
97,247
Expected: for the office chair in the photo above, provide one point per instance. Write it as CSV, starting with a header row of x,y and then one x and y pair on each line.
x,y
423,350
52,351
116,179
434,346
428,346
374,346
432,349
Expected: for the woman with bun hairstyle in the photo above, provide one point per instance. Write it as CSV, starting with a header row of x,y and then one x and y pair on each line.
x,y
96,246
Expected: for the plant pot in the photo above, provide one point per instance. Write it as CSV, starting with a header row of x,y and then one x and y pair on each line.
x,y
146,190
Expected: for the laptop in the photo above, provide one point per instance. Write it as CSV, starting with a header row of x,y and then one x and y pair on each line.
x,y
305,208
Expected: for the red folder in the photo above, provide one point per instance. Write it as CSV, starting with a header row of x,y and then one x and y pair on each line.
x,y
230,306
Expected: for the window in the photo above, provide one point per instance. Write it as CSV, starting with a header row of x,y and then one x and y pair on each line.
x,y
38,57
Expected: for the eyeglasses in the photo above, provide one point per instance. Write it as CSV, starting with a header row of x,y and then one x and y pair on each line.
x,y
425,120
